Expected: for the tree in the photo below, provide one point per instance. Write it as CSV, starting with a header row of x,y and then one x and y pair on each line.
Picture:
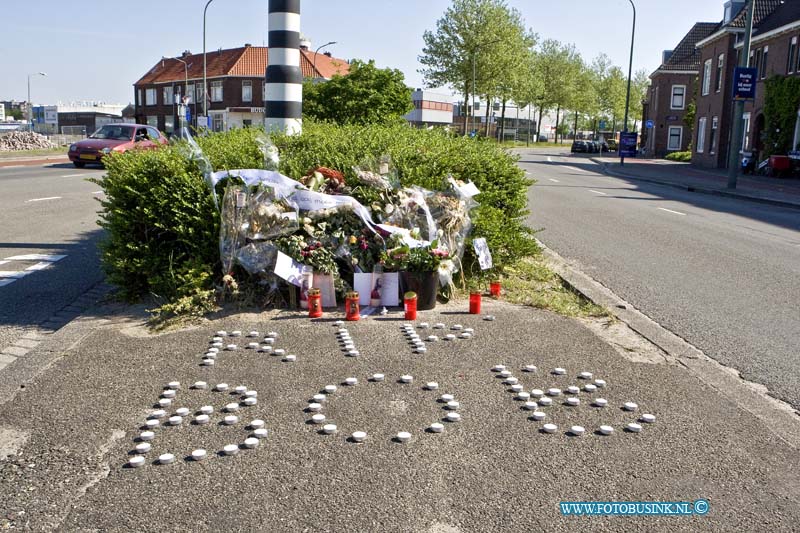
x,y
484,39
639,85
560,66
14,114
366,95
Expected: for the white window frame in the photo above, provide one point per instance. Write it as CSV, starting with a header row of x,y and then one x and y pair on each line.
x,y
796,141
139,97
792,61
247,96
168,92
169,124
216,91
152,120
669,138
701,135
720,71
150,96
199,94
706,77
683,97
764,58
712,147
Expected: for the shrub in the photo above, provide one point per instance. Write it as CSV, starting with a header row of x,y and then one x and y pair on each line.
x,y
163,227
682,157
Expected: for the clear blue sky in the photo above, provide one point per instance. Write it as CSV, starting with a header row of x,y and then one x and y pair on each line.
x,y
96,49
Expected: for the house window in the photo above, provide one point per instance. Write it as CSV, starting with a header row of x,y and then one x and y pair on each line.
x,y
216,91
199,93
169,123
720,65
678,97
216,124
796,142
752,56
138,97
152,120
675,138
246,122
701,135
169,99
190,93
792,60
150,97
714,128
706,77
746,136
764,62
247,91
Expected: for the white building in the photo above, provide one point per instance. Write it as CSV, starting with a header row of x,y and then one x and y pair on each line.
x,y
430,109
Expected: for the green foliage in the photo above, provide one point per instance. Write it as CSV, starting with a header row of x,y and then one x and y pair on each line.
x,y
426,158
781,102
237,148
682,157
366,95
161,223
14,114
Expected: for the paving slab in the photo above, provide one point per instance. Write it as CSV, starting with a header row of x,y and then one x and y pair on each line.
x,y
492,471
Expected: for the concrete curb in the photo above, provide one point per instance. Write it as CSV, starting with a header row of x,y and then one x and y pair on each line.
x,y
781,418
692,188
32,161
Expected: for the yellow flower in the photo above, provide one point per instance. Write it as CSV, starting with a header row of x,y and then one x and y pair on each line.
x,y
353,239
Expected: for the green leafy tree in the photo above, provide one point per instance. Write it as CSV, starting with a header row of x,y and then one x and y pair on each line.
x,y
14,114
481,39
560,67
639,85
366,95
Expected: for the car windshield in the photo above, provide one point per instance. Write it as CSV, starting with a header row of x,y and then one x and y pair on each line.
x,y
116,133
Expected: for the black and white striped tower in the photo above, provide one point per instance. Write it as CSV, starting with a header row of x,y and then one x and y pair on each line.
x,y
283,104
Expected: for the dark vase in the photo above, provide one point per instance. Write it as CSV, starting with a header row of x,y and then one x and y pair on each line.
x,y
425,284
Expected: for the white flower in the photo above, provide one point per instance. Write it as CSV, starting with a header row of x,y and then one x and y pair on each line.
x,y
440,233
446,267
388,209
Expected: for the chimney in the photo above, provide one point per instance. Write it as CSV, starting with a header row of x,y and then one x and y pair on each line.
x,y
247,45
186,53
665,55
305,44
327,54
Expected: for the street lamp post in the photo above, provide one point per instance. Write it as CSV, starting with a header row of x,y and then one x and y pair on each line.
x,y
738,112
205,88
182,116
30,105
314,65
630,70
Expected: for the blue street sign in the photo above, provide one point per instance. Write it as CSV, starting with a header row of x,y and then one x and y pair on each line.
x,y
627,144
744,83
649,124
188,114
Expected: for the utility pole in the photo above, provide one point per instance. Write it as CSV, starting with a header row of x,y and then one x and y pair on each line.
x,y
205,87
630,70
738,111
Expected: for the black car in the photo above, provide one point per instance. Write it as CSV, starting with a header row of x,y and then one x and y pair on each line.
x,y
579,146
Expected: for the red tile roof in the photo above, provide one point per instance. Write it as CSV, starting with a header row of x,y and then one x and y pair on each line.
x,y
244,61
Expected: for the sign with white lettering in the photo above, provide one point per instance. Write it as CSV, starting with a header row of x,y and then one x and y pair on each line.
x,y
744,83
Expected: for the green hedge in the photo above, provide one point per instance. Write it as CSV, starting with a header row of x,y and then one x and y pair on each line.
x,y
162,225
781,102
683,157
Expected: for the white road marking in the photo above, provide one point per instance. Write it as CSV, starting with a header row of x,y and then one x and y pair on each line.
x,y
597,192
101,192
554,180
578,169
15,274
4,282
43,199
74,175
39,266
671,211
36,257
549,159
3,262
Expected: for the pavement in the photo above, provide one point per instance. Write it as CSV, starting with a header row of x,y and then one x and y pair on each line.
x,y
783,192
73,407
715,271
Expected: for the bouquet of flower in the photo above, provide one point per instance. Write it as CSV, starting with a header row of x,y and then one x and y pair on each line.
x,y
402,257
325,180
313,254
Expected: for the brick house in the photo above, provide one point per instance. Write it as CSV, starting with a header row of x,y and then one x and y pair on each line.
x,y
235,79
775,28
672,88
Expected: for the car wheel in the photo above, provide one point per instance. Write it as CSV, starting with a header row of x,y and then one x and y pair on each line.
x,y
79,164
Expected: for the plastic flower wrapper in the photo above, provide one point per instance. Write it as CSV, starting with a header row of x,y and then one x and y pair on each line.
x,y
399,256
269,216
410,210
257,258
234,224
192,151
270,151
450,210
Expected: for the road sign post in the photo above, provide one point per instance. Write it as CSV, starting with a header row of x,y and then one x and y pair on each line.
x,y
627,144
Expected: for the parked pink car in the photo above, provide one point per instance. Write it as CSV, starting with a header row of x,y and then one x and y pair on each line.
x,y
114,138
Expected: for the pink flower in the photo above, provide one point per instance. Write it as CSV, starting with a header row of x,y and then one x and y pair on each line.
x,y
438,252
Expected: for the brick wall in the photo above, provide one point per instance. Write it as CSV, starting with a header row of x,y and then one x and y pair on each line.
x,y
661,112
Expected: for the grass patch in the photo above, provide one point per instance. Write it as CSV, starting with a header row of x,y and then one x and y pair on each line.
x,y
531,282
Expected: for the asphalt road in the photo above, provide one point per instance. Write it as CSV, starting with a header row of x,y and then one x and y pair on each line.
x,y
49,211
722,273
